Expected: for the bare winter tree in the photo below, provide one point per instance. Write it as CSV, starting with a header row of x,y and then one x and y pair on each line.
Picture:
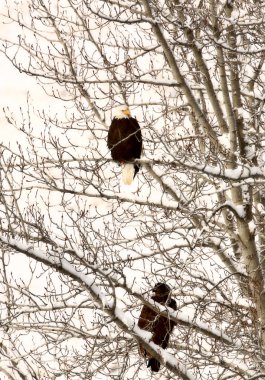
x,y
80,251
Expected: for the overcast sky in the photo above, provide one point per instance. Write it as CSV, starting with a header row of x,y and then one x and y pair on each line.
x,y
14,86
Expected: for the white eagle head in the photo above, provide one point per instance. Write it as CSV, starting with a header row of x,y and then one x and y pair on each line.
x,y
121,112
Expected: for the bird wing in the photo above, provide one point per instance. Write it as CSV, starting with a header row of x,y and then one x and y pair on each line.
x,y
147,318
114,134
163,326
137,136
146,322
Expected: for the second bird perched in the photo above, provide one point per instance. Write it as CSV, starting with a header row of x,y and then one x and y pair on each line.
x,y
160,326
125,142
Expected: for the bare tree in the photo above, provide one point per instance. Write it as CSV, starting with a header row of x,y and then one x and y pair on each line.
x,y
80,252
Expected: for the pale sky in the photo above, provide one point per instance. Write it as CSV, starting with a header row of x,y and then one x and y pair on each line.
x,y
14,86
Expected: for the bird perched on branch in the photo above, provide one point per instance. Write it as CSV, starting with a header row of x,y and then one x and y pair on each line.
x,y
159,325
125,142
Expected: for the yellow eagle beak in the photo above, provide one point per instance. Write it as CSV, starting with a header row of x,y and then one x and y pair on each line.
x,y
126,112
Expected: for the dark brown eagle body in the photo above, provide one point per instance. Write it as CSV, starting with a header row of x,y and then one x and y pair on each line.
x,y
125,139
160,326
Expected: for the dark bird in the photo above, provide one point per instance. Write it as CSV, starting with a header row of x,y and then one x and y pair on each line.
x,y
160,326
125,142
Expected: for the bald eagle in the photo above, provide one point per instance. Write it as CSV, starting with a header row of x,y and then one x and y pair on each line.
x,y
125,142
160,326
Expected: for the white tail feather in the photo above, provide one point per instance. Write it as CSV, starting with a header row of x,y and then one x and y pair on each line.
x,y
127,174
